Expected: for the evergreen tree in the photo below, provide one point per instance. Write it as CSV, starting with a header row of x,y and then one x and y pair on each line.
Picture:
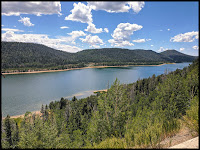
x,y
42,111
16,136
8,130
74,99
63,103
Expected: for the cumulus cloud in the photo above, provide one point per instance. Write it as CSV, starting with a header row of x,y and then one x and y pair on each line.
x,y
26,21
75,35
161,49
81,13
141,40
182,49
186,37
121,35
13,30
120,43
196,47
116,7
56,43
168,29
64,27
106,30
36,8
92,40
124,30
136,6
91,28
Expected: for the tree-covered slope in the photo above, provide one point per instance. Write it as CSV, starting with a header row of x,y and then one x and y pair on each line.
x,y
177,56
23,56
120,55
18,55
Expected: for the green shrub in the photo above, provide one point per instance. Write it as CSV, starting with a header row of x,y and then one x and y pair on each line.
x,y
192,115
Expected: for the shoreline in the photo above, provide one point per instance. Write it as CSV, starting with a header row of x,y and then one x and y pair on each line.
x,y
43,71
22,115
38,111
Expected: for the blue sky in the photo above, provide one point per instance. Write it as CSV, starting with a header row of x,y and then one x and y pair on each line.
x,y
74,26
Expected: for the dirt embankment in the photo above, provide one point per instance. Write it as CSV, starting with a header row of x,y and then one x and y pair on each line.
x,y
183,139
192,143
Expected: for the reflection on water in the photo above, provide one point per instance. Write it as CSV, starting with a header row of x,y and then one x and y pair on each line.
x,y
81,95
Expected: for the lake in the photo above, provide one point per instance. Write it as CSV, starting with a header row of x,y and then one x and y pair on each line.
x,y
27,92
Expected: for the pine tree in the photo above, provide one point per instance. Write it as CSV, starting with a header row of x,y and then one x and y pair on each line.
x,y
8,130
46,113
16,136
74,99
42,111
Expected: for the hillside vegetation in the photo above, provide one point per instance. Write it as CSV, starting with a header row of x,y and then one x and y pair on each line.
x,y
137,115
25,57
177,56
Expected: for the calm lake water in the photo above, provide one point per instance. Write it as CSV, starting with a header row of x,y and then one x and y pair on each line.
x,y
27,92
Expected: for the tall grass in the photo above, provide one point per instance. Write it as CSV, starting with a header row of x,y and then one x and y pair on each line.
x,y
192,115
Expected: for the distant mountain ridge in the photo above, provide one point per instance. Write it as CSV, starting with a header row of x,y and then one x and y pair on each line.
x,y
30,55
177,56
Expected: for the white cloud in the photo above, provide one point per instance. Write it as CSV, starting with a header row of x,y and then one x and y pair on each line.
x,y
121,35
64,27
141,40
106,30
26,21
36,8
162,49
92,40
186,37
56,43
91,28
13,30
125,30
168,29
120,43
64,47
182,49
81,13
75,35
136,6
116,7
151,45
196,47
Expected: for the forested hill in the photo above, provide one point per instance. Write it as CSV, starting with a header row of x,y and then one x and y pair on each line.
x,y
19,55
121,55
23,56
177,56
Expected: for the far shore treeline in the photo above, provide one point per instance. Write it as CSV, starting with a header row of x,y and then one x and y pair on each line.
x,y
136,115
28,57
